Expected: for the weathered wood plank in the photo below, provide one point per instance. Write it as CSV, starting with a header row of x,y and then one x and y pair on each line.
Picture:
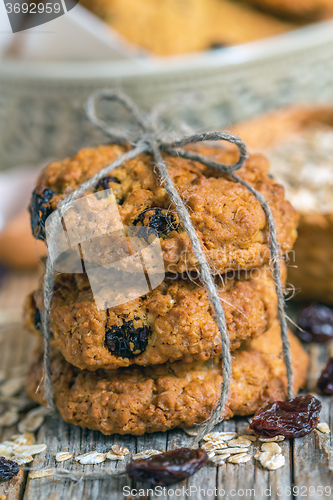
x,y
15,347
313,454
309,460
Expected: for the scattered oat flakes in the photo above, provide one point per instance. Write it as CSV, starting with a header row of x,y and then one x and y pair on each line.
x,y
218,460
272,447
33,420
242,458
251,437
6,451
12,386
275,462
223,456
235,451
241,441
214,445
120,450
191,431
222,436
22,459
323,427
62,456
270,459
27,438
32,449
93,457
112,456
272,439
10,417
211,454
146,454
37,474
21,402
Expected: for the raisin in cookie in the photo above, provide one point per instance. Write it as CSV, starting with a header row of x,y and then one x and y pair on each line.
x,y
229,221
174,321
136,400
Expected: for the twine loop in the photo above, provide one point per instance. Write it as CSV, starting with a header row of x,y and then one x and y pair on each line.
x,y
150,140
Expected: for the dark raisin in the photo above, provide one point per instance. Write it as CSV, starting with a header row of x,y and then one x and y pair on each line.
x,y
316,321
293,418
217,45
104,183
40,208
168,467
37,319
325,382
159,219
8,469
126,340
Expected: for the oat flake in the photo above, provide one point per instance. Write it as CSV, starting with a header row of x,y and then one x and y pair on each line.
x,y
33,420
241,441
272,439
323,427
62,456
146,454
222,436
93,457
120,450
37,474
242,458
10,417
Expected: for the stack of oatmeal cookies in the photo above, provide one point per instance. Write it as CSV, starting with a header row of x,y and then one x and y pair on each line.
x,y
152,362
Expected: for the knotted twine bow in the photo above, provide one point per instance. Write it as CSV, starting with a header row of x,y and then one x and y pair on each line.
x,y
150,140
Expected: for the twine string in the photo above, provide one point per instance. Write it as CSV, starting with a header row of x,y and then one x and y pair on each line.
x,y
150,141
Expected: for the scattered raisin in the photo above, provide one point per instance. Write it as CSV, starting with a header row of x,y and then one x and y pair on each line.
x,y
325,382
293,418
37,319
104,183
168,467
159,219
40,208
8,469
126,340
316,321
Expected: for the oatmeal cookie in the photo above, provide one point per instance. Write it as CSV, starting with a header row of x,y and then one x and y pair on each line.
x,y
175,321
136,400
299,143
229,221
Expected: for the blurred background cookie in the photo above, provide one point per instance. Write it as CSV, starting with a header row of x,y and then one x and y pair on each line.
x,y
299,143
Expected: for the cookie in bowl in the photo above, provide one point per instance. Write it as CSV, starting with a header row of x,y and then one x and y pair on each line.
x,y
170,27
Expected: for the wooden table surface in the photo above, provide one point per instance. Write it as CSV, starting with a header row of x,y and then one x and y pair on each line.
x,y
309,460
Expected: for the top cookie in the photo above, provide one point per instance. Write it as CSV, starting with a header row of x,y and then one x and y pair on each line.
x,y
229,221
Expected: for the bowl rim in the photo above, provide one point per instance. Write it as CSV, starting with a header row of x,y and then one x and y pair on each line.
x,y
310,37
